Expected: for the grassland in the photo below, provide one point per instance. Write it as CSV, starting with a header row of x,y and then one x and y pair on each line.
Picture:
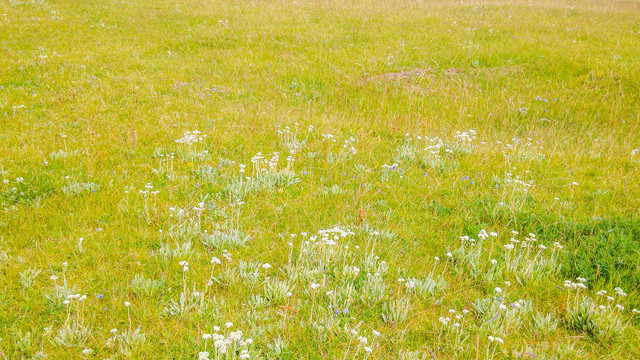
x,y
330,179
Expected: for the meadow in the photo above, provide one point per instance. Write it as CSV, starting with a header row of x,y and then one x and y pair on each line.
x,y
200,179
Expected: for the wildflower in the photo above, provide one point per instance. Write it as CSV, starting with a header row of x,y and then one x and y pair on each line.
x,y
216,328
236,335
362,340
498,290
127,304
87,351
368,349
581,279
185,265
228,324
266,266
494,261
315,286
635,311
203,355
206,336
215,260
377,333
620,292
620,307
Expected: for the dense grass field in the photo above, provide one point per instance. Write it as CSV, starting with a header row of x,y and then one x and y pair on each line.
x,y
202,179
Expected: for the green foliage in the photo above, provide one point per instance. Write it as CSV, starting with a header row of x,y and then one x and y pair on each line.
x,y
608,253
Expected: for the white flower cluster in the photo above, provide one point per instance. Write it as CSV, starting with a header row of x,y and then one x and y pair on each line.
x,y
233,345
575,285
330,236
73,297
259,162
191,137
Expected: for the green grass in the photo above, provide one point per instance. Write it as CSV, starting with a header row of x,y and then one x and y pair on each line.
x,y
93,95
